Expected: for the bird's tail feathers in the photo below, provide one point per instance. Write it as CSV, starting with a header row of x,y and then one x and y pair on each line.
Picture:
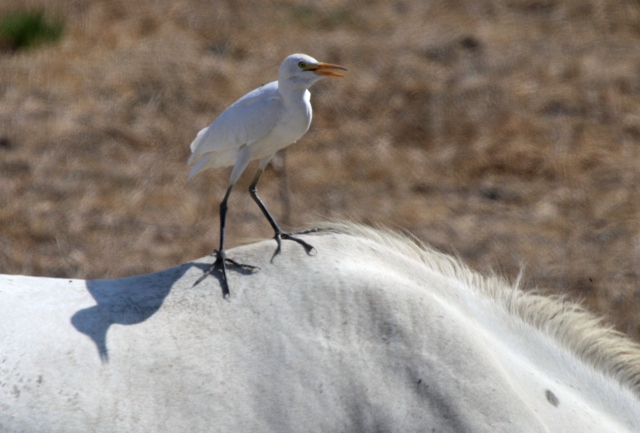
x,y
195,153
194,143
201,165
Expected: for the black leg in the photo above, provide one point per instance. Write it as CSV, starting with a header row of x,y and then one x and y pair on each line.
x,y
220,264
279,234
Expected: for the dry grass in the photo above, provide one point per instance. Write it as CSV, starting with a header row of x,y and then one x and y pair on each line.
x,y
506,131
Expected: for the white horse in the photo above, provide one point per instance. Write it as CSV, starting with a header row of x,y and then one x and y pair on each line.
x,y
374,333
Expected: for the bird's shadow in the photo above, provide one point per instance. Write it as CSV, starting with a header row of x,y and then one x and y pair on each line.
x,y
126,301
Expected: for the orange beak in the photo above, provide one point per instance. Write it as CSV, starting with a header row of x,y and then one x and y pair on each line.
x,y
322,69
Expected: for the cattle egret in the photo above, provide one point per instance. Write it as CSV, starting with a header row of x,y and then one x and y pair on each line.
x,y
256,126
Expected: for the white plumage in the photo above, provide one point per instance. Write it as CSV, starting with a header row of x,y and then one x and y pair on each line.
x,y
256,126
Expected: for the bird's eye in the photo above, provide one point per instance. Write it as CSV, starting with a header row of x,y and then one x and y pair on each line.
x,y
302,65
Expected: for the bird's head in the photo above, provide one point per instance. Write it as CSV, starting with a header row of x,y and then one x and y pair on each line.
x,y
303,70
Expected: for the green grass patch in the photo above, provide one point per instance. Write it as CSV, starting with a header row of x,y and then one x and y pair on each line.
x,y
21,30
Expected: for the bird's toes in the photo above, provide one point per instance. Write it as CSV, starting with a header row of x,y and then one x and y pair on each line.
x,y
199,280
308,231
242,265
309,249
219,267
278,250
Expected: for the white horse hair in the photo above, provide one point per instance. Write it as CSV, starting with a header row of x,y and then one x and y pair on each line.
x,y
375,333
563,320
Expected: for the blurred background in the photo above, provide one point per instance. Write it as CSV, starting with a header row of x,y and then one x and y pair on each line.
x,y
503,131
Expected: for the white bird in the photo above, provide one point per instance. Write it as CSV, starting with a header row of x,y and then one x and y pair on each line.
x,y
256,126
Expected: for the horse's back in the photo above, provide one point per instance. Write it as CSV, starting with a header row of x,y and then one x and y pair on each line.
x,y
355,338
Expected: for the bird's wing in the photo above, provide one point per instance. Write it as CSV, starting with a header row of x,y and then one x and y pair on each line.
x,y
245,121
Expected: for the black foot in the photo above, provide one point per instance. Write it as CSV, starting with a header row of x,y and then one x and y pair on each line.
x,y
307,231
220,267
289,237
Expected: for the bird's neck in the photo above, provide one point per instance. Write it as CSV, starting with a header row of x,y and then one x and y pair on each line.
x,y
295,96
292,90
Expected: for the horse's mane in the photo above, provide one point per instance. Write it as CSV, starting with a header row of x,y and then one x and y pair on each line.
x,y
567,322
